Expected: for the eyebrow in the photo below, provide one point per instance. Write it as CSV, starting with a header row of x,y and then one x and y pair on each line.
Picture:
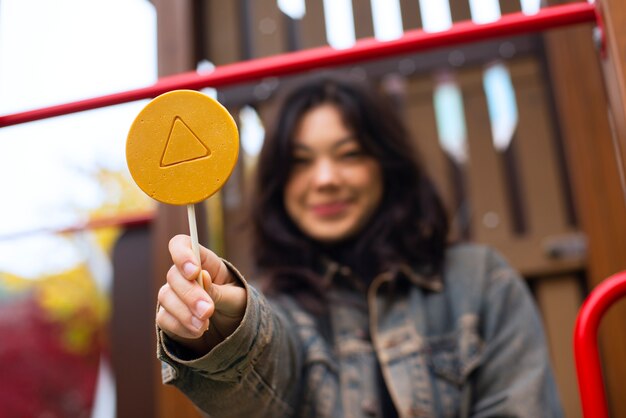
x,y
338,144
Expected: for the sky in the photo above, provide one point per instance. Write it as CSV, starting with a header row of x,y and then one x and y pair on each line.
x,y
54,52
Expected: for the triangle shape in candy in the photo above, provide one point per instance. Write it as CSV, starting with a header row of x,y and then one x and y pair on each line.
x,y
183,145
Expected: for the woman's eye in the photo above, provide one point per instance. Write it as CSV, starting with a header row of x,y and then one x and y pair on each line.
x,y
299,160
354,154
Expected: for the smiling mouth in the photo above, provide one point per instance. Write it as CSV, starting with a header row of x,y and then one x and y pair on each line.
x,y
329,210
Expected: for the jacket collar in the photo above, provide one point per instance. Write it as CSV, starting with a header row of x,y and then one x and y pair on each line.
x,y
433,283
336,272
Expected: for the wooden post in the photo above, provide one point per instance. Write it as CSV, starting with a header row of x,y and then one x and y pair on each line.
x,y
132,325
581,105
613,18
612,335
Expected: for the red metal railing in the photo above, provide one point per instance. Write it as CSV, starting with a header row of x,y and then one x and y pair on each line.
x,y
301,61
129,220
588,365
322,57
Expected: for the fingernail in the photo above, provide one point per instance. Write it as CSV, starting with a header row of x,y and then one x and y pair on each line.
x,y
202,307
189,269
197,324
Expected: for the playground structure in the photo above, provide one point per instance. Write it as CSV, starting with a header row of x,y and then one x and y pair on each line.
x,y
606,233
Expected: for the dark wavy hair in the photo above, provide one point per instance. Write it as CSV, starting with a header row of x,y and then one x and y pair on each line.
x,y
410,226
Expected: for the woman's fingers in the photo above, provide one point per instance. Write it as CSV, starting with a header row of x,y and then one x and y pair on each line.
x,y
187,306
189,293
173,327
184,259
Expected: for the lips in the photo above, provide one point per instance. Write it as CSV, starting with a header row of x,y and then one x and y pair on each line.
x,y
329,210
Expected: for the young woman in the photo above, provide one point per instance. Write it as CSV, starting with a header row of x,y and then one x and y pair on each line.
x,y
366,310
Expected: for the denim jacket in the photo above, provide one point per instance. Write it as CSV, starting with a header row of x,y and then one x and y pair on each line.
x,y
470,344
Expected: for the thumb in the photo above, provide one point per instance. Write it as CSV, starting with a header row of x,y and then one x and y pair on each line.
x,y
229,299
214,291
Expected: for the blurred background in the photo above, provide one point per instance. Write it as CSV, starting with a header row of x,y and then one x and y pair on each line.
x,y
56,176
515,132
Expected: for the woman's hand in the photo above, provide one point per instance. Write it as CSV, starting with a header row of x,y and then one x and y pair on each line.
x,y
191,316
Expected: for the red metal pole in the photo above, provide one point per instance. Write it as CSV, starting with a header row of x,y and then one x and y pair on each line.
x,y
588,365
126,221
301,61
123,221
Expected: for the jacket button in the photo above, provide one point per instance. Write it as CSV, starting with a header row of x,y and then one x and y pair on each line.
x,y
369,407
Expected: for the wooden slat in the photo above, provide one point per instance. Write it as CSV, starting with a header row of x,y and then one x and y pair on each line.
x,y
363,23
510,6
490,213
419,116
410,14
614,67
613,333
132,325
582,117
268,31
175,28
559,300
312,25
221,23
541,185
460,10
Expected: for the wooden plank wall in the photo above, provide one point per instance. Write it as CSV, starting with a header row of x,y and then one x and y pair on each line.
x,y
581,93
132,325
613,15
613,332
555,281
490,184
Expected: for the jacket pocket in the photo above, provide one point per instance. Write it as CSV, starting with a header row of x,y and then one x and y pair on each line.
x,y
451,359
454,356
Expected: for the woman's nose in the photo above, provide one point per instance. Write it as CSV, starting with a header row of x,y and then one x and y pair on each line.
x,y
325,173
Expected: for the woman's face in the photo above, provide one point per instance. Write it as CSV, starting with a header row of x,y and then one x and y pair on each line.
x,y
334,186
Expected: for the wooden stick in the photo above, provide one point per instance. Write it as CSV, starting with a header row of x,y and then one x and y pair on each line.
x,y
195,245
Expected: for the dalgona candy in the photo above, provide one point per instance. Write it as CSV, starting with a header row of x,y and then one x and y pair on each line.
x,y
182,147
